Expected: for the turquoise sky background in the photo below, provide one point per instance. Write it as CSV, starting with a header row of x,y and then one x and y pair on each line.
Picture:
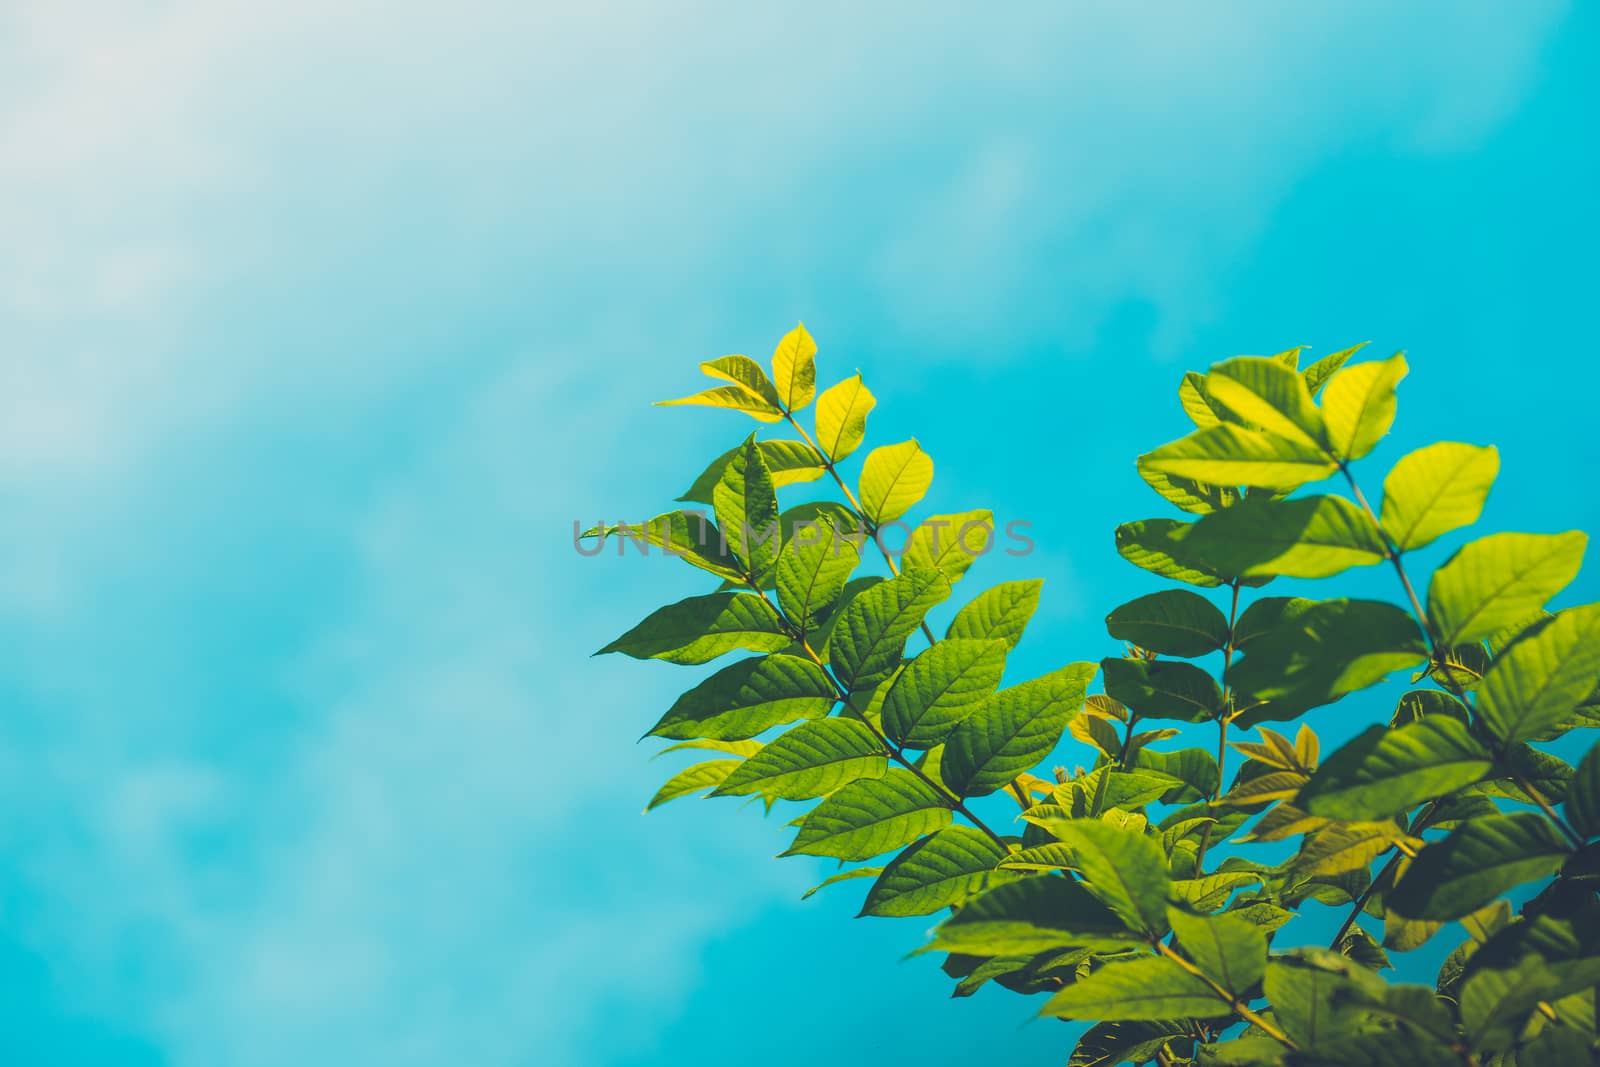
x,y
323,324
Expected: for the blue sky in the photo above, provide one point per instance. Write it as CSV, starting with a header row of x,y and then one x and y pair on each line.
x,y
322,325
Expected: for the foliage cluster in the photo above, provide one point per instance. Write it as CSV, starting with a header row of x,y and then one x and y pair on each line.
x,y
1150,891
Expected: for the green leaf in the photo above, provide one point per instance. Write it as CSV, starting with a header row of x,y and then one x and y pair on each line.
x,y
1358,405
1128,1041
1318,997
1496,1004
1499,580
1230,951
842,417
1013,730
811,760
1173,622
1539,680
750,390
1271,395
998,614
747,509
701,628
872,816
1155,546
950,866
1242,1052
1161,689
845,876
741,749
812,571
1035,914
1195,396
794,369
1123,868
688,535
1316,376
1189,495
1307,537
872,630
788,462
1320,651
1435,490
940,688
746,698
1385,772
1227,454
1343,847
893,479
1479,861
1211,891
701,776
1152,988
950,543
1583,796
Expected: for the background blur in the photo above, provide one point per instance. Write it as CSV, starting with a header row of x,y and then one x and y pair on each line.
x,y
321,325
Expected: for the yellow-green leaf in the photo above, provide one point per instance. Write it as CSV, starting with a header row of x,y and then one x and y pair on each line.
x,y
893,479
1498,581
1435,490
794,369
1358,405
1270,394
842,417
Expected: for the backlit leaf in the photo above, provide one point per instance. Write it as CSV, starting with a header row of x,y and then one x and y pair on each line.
x,y
811,760
747,509
1227,454
1154,988
695,779
998,614
749,697
1358,405
950,543
1499,580
702,628
1012,730
872,816
1435,490
1154,545
788,462
1537,682
1270,395
794,369
1123,868
893,479
842,417
1230,951
1032,915
1307,537
812,571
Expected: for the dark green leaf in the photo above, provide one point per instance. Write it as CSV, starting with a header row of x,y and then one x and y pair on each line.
x,y
1384,772
1153,988
1583,795
1173,622
1537,682
1032,915
1153,544
1160,689
1476,863
1306,537
1123,868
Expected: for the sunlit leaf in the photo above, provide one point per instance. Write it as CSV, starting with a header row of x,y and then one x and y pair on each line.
x,y
1306,537
872,816
842,417
1384,772
1435,490
1499,580
1268,394
699,778
794,369
1227,454
812,570
872,630
747,698
1124,869
893,479
1358,405
702,628
1536,682
940,688
1230,951
950,543
1032,915
998,614
1153,988
1012,730
811,760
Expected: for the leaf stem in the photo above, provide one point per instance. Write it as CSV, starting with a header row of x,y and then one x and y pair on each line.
x,y
1222,726
1239,1007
